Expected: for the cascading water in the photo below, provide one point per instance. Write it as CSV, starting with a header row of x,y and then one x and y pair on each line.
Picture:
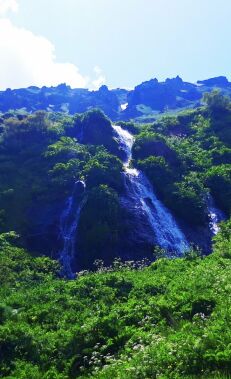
x,y
215,215
165,229
68,227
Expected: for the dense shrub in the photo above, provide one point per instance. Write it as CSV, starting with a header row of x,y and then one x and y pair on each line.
x,y
186,156
170,320
41,159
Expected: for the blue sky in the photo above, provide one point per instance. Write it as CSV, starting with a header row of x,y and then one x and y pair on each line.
x,y
117,42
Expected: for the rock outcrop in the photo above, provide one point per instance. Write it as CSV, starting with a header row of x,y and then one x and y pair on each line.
x,y
147,98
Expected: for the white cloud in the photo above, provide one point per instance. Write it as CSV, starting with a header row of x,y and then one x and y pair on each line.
x,y
27,59
8,5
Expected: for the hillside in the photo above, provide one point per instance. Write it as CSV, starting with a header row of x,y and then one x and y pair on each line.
x,y
185,159
168,320
115,239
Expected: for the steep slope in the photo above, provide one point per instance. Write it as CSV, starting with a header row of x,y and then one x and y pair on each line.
x,y
172,185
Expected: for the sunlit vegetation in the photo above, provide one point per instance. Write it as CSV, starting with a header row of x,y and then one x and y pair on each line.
x,y
170,319
164,318
186,157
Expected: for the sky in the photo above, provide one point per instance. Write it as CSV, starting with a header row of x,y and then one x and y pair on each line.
x,y
120,43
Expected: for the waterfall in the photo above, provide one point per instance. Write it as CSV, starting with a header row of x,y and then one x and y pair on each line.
x,y
166,232
215,215
68,227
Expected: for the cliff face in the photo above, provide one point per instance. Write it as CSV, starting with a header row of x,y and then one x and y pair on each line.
x,y
159,96
146,100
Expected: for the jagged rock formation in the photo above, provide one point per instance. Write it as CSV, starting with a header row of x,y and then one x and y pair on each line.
x,y
220,81
145,101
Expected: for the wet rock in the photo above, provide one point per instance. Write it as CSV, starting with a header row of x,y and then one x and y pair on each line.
x,y
80,187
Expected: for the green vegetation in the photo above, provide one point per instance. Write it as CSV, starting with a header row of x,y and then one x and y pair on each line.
x,y
100,225
42,156
187,156
125,320
169,320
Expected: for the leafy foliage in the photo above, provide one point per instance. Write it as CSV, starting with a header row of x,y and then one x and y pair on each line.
x,y
188,156
41,159
171,319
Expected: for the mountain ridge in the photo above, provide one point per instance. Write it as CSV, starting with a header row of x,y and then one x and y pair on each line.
x,y
143,103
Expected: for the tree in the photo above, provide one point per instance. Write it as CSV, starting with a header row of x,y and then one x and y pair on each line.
x,y
216,101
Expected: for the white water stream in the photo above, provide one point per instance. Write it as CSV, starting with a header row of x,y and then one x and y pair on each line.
x,y
215,216
68,228
166,232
